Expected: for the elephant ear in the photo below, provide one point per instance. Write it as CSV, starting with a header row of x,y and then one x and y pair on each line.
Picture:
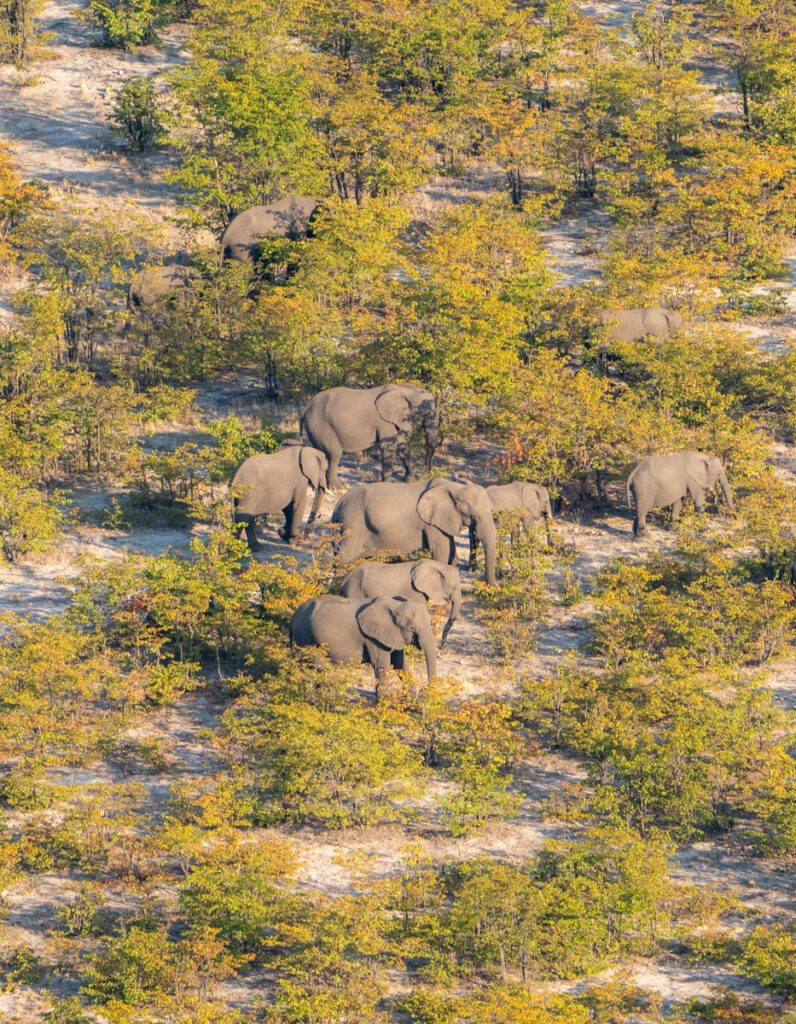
x,y
311,463
532,499
428,580
395,408
435,506
698,469
376,622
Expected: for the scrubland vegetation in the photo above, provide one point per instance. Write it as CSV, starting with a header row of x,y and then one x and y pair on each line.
x,y
172,769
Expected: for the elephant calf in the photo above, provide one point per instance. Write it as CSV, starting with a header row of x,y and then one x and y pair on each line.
x,y
278,482
660,480
373,632
532,501
635,324
423,580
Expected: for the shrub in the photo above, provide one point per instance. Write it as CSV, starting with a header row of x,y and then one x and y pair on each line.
x,y
127,23
770,957
28,521
135,114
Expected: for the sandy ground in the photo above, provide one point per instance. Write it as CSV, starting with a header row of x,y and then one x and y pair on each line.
x,y
55,117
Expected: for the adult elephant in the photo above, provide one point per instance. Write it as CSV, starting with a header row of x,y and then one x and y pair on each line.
x,y
427,515
530,501
278,482
373,631
661,480
159,286
287,218
635,324
354,419
423,580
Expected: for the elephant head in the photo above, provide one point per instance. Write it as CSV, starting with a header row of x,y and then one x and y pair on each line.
x,y
392,622
439,583
404,405
313,465
714,474
448,505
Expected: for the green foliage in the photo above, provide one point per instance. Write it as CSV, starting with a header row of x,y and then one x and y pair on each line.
x,y
334,769
19,33
29,522
135,114
129,23
770,957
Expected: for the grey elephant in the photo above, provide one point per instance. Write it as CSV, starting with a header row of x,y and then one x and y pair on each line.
x,y
531,501
427,515
660,480
287,218
354,419
373,631
157,286
422,580
278,482
635,324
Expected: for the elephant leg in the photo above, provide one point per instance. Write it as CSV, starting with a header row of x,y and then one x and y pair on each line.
x,y
397,660
677,508
640,519
349,548
404,452
697,496
387,449
297,506
332,473
251,536
473,547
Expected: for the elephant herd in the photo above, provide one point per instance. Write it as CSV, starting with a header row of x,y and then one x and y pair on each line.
x,y
381,606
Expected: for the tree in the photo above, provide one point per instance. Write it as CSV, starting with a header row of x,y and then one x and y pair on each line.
x,y
135,113
18,29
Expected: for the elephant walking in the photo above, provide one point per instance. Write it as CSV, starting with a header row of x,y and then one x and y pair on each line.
x,y
427,515
373,631
531,501
278,482
635,324
423,580
660,480
355,419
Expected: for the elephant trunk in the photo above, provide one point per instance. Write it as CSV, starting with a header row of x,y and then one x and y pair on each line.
x,y
427,644
485,531
316,504
548,519
726,490
456,607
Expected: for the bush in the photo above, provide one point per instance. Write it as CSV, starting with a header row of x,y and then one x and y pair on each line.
x,y
128,23
29,523
135,114
770,957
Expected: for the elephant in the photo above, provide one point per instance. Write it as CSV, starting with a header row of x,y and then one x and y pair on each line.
x,y
155,286
373,631
532,501
635,324
426,515
278,482
422,580
288,218
667,479
353,419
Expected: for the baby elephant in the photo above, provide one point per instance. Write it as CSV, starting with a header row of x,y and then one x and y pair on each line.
x,y
532,501
422,580
278,482
373,631
666,479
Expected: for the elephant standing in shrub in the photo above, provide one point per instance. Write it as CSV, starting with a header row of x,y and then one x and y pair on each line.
x,y
354,419
427,515
156,286
635,324
423,580
531,501
278,482
660,480
373,631
287,218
